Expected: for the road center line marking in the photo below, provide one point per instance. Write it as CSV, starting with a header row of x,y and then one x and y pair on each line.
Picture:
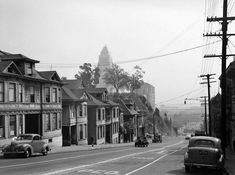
x,y
110,160
65,158
138,169
161,152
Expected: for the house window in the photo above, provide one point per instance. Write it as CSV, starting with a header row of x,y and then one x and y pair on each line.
x,y
54,121
99,114
54,95
29,68
1,91
20,92
20,124
85,125
80,110
31,94
85,109
47,94
47,122
73,112
59,120
1,126
12,125
103,114
59,95
12,92
114,113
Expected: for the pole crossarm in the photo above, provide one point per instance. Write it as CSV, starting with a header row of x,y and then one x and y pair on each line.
x,y
216,19
213,55
218,34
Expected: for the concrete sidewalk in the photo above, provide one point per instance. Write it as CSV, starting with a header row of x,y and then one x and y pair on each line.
x,y
230,162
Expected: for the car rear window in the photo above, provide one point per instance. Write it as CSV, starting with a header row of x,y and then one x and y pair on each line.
x,y
204,143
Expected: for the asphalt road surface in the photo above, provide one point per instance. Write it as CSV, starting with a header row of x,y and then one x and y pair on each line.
x,y
158,159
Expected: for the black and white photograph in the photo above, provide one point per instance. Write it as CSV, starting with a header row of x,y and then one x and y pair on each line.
x,y
117,87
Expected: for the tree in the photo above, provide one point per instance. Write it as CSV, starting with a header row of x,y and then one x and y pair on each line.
x,y
89,75
116,77
136,79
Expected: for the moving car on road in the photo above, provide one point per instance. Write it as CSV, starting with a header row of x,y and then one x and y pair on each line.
x,y
204,151
141,142
26,144
157,138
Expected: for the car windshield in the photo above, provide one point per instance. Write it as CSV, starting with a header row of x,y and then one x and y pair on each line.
x,y
204,143
24,137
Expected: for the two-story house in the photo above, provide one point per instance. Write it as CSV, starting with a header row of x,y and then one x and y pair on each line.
x,y
96,121
111,114
74,123
129,120
30,101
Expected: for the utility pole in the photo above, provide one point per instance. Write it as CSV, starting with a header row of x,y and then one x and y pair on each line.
x,y
224,56
208,78
205,119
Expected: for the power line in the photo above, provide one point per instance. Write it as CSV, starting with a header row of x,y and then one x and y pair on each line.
x,y
146,58
179,96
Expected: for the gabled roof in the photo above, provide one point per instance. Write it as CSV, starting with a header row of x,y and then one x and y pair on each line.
x,y
96,90
111,103
50,75
16,57
81,94
68,95
73,84
4,65
125,109
95,102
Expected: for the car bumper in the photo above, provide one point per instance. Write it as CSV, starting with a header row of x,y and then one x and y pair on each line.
x,y
14,152
204,165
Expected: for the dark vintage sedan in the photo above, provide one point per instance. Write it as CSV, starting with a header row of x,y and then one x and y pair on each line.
x,y
26,144
204,151
141,142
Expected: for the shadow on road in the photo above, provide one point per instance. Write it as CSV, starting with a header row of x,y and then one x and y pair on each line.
x,y
196,171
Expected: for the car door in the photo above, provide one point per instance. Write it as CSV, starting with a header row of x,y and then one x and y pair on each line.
x,y
37,144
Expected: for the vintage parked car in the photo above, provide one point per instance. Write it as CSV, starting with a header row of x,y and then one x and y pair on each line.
x,y
157,138
26,144
204,151
141,142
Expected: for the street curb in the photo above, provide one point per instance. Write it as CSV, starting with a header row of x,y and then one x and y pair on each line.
x,y
89,149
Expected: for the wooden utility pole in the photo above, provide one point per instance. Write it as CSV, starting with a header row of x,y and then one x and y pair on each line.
x,y
208,78
205,117
224,56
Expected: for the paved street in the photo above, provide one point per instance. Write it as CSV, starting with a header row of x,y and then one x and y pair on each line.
x,y
163,159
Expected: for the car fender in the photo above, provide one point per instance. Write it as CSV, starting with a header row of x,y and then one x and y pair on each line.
x,y
28,146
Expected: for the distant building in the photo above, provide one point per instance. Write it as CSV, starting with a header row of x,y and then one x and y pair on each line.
x,y
105,61
30,100
148,91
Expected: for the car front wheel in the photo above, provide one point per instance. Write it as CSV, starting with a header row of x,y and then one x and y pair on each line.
x,y
27,153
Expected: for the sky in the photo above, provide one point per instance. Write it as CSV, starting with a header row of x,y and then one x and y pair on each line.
x,y
63,34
